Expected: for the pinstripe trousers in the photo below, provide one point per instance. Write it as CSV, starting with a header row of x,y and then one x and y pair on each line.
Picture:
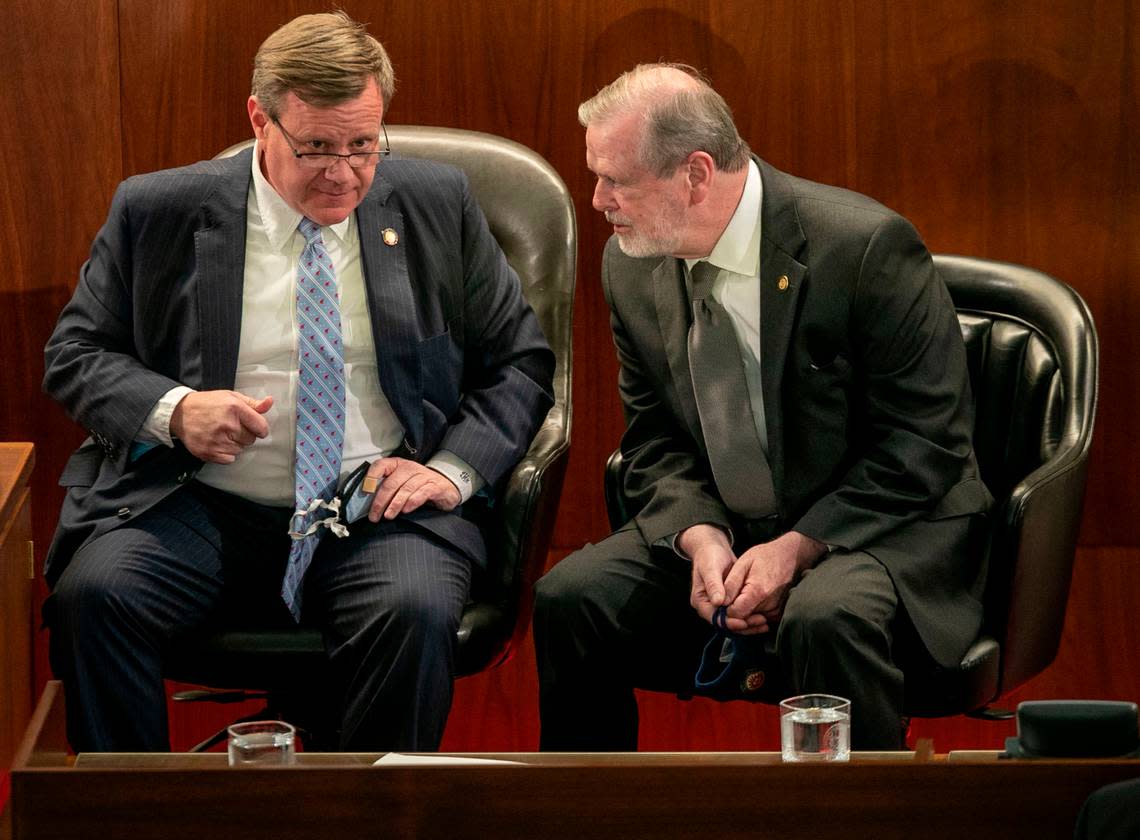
x,y
388,599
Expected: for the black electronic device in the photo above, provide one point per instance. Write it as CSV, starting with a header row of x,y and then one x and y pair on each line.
x,y
1075,729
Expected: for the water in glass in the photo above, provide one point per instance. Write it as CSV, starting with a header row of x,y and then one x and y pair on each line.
x,y
261,748
816,734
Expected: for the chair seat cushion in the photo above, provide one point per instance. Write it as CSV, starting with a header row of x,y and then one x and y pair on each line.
x,y
268,660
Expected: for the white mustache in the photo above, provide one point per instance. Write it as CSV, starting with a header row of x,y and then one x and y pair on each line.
x,y
615,219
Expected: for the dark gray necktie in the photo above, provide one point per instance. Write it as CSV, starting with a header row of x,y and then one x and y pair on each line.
x,y
742,475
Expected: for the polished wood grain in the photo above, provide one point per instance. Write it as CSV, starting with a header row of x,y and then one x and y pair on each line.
x,y
1004,130
17,693
871,801
60,147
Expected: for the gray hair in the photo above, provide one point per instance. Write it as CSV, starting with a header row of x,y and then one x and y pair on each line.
x,y
681,116
324,59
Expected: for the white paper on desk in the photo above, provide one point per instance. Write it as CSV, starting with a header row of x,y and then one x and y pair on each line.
x,y
405,760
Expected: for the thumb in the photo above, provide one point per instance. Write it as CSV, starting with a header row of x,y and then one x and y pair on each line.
x,y
714,586
251,415
260,406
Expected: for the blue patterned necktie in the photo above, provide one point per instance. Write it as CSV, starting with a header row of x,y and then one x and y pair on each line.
x,y
320,407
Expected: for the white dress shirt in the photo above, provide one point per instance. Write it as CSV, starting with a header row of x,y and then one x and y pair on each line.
x,y
267,362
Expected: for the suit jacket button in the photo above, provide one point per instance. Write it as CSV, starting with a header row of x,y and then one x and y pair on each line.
x,y
124,512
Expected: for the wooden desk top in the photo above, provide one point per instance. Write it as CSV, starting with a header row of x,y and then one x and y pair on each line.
x,y
219,760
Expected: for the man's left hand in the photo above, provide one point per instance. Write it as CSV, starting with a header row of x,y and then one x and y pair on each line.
x,y
406,485
763,576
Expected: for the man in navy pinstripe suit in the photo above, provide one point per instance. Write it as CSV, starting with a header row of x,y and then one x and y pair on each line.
x,y
178,352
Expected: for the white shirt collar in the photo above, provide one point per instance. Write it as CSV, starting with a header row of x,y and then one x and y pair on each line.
x,y
738,249
278,219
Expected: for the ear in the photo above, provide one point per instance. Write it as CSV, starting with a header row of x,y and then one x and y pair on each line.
x,y
258,118
699,171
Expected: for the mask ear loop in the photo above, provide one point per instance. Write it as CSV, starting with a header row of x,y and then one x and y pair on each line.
x,y
718,651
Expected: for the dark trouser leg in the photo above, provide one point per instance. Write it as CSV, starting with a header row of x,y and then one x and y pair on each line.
x,y
122,597
607,618
836,638
390,604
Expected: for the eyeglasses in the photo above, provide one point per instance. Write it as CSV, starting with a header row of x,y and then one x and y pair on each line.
x,y
323,160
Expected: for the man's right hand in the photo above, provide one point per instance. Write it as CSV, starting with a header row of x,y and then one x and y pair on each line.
x,y
217,425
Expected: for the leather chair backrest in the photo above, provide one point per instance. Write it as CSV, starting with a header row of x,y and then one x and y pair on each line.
x,y
531,215
1032,354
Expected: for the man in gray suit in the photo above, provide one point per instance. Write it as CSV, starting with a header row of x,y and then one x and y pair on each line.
x,y
798,439
181,352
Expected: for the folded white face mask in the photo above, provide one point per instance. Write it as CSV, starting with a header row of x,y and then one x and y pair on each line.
x,y
352,501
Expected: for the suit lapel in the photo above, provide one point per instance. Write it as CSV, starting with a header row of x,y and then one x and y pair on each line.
x,y
220,252
674,318
391,308
781,278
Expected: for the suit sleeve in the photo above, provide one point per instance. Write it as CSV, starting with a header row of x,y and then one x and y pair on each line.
x,y
913,433
666,478
92,366
508,368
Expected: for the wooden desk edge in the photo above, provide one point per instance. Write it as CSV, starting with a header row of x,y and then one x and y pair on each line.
x,y
45,741
16,463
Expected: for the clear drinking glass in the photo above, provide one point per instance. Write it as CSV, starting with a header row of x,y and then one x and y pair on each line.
x,y
262,743
815,727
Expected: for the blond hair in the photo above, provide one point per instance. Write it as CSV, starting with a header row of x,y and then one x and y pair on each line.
x,y
324,59
681,112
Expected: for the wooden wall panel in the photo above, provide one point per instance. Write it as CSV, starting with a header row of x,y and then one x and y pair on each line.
x,y
1005,130
1010,132
60,152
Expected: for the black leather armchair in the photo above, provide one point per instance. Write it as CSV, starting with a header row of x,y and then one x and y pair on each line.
x,y
531,215
1032,353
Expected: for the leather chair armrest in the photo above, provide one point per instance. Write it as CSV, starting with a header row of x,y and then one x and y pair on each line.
x,y
615,500
530,499
518,538
1042,523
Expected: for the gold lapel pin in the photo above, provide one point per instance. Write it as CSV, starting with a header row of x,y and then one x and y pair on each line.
x,y
782,283
391,238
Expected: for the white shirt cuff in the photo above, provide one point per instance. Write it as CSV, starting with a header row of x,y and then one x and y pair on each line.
x,y
156,427
459,472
